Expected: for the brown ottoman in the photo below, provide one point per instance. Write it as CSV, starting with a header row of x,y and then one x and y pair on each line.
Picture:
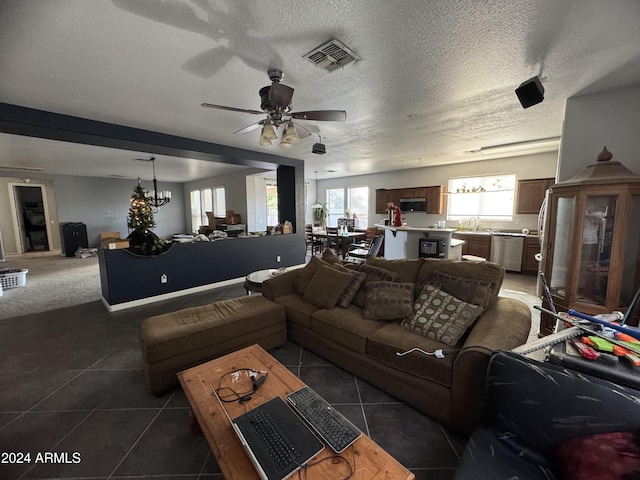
x,y
175,341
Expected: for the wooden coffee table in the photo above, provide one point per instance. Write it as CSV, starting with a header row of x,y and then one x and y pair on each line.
x,y
371,461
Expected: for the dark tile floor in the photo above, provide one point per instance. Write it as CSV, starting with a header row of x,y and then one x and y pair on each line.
x,y
72,386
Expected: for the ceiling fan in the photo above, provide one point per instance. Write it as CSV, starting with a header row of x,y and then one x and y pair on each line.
x,y
275,101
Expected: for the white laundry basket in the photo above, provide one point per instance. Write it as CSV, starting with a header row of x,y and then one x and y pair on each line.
x,y
16,278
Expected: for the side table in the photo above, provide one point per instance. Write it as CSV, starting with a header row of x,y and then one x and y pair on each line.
x,y
253,281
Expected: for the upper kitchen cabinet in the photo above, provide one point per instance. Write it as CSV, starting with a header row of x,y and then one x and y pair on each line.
x,y
433,195
435,199
530,194
592,247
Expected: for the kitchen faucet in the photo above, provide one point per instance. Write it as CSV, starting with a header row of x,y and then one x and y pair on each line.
x,y
475,223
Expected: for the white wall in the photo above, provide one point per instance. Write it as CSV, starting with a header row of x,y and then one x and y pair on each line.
x,y
541,165
610,119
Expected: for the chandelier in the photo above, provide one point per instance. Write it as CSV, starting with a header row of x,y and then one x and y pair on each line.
x,y
156,198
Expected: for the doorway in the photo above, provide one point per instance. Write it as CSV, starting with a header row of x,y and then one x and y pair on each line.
x,y
31,218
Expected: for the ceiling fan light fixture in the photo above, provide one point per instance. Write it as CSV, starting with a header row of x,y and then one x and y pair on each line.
x,y
268,133
284,143
263,142
290,134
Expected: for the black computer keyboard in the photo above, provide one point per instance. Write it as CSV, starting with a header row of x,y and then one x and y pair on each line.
x,y
334,429
279,449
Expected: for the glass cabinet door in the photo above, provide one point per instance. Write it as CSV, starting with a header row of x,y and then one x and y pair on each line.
x,y
562,249
631,271
595,248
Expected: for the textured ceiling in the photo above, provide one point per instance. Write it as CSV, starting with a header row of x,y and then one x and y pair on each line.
x,y
436,79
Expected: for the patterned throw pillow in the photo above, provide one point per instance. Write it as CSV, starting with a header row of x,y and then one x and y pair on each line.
x,y
354,285
471,290
373,274
326,286
388,300
440,316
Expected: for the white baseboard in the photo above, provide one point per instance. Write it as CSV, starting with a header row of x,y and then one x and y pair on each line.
x,y
167,296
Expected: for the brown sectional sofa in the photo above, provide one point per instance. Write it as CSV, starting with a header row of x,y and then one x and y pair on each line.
x,y
448,389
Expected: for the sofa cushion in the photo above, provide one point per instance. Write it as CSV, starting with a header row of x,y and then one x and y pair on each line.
x,y
388,300
297,310
345,327
326,287
330,257
440,316
306,274
385,343
483,271
407,270
471,290
352,288
373,274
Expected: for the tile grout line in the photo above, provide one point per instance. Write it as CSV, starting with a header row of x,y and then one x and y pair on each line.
x,y
140,436
364,415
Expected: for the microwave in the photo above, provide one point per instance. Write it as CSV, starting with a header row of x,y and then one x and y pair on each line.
x,y
413,205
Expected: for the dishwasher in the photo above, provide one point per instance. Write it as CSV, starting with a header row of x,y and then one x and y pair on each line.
x,y
506,250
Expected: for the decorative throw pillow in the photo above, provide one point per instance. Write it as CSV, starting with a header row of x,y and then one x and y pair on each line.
x,y
471,290
373,274
600,456
330,257
326,286
307,273
388,300
440,316
347,295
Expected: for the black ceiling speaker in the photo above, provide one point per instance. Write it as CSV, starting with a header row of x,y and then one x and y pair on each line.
x,y
530,92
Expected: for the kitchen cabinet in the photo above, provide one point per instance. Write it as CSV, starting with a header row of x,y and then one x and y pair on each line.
x,y
435,199
592,246
382,197
529,251
477,244
531,193
434,196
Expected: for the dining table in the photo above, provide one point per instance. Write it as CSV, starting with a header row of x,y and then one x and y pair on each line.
x,y
343,240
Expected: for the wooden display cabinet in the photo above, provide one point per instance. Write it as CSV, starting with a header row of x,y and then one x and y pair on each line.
x,y
592,247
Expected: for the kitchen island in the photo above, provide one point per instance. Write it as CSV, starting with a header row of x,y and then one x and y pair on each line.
x,y
407,242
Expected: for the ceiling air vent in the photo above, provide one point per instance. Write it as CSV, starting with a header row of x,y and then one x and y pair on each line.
x,y
331,56
17,168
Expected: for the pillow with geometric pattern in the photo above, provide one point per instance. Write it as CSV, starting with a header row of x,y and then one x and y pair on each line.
x,y
472,290
440,316
388,300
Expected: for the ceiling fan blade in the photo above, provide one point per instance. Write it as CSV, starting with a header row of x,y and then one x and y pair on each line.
x,y
301,131
322,115
280,95
231,109
250,128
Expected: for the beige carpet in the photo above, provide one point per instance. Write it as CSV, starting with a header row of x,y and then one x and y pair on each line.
x,y
53,282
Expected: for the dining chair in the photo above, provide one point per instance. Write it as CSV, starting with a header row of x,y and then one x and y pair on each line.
x,y
311,242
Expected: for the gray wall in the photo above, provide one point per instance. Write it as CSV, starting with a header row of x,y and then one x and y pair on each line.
x,y
101,203
541,165
610,119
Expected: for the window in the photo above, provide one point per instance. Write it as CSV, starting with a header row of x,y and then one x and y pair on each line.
x,y
354,199
488,197
272,203
206,200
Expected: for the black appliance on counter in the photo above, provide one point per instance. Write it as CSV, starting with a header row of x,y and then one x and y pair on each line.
x,y
431,248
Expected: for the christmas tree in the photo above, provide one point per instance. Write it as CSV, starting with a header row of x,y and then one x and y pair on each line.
x,y
142,240
140,214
